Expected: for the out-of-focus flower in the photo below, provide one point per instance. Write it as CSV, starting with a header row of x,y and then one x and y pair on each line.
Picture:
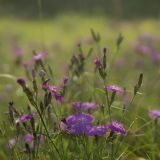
x,y
55,90
12,142
39,56
117,127
97,130
85,105
77,124
26,64
24,118
28,138
17,51
65,80
154,114
97,62
114,88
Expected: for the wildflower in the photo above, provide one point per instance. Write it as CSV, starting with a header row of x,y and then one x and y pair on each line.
x,y
28,138
55,90
77,124
58,97
97,62
24,118
117,127
85,105
39,56
97,130
33,74
11,143
154,114
114,88
65,80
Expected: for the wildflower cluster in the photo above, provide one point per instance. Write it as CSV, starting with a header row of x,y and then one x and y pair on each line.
x,y
59,123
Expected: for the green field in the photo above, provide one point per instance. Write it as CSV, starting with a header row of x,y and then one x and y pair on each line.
x,y
59,37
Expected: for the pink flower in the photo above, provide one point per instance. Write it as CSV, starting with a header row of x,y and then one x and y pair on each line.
x,y
28,138
117,127
97,62
11,143
24,118
114,88
39,56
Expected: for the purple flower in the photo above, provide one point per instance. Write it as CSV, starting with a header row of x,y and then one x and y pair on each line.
x,y
77,124
85,105
28,138
26,65
24,118
79,119
54,91
58,97
154,114
39,56
97,62
117,127
114,88
65,80
17,51
12,142
97,130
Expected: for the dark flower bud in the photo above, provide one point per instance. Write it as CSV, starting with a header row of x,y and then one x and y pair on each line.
x,y
21,82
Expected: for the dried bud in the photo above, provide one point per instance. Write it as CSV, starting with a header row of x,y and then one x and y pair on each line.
x,y
104,58
140,80
119,40
112,97
95,36
11,116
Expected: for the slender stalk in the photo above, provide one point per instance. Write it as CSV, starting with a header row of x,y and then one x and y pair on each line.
x,y
47,132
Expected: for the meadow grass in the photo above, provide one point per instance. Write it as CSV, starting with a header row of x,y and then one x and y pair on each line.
x,y
59,37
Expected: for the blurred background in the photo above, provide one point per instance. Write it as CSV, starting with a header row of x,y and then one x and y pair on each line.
x,y
110,8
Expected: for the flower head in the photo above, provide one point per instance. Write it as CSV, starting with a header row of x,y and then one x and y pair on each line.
x,y
97,62
12,142
65,80
154,114
114,88
117,127
97,130
85,105
28,138
24,118
39,56
77,124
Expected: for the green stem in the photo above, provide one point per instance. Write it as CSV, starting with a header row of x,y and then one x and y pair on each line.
x,y
47,132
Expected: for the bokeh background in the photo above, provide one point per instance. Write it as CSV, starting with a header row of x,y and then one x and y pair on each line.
x,y
57,27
